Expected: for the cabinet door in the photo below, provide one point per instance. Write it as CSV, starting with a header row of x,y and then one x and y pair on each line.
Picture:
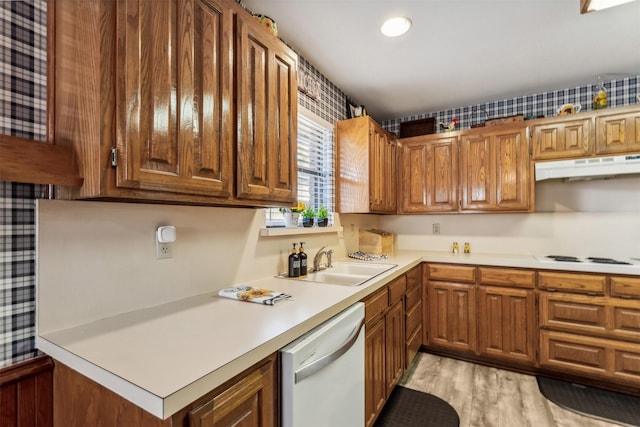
x,y
452,315
395,344
477,173
390,174
249,402
562,140
174,97
507,323
618,133
382,170
495,171
429,170
512,178
377,142
375,361
267,115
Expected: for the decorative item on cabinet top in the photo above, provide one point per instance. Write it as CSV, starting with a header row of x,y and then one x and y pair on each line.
x,y
354,110
267,22
308,84
417,127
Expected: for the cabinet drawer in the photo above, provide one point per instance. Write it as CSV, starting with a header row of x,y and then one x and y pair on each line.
x,y
452,273
625,287
573,352
376,304
574,312
413,296
397,289
507,277
625,319
585,283
603,358
413,319
607,317
414,278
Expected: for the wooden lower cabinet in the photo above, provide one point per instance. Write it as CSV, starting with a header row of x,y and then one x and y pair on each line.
x,y
374,370
507,326
384,345
395,346
413,314
247,403
249,399
452,315
597,337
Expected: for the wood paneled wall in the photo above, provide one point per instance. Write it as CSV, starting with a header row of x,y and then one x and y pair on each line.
x,y
26,393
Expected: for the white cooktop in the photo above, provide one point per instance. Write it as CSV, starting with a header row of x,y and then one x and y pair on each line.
x,y
621,262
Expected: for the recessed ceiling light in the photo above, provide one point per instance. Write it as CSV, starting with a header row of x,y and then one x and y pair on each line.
x,y
397,26
594,5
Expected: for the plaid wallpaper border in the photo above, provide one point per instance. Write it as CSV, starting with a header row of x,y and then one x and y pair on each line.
x,y
619,93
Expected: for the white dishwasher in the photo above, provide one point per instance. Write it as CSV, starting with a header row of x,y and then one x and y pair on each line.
x,y
323,374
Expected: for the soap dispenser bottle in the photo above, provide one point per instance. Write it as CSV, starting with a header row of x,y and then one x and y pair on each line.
x,y
294,263
303,260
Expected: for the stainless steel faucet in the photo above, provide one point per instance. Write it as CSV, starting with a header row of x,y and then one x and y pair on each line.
x,y
318,257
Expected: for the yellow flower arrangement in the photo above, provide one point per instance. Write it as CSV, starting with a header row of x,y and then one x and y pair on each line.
x,y
299,207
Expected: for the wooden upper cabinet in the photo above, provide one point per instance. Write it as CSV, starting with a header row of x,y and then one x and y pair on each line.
x,y
562,138
267,115
429,174
494,170
618,132
173,96
366,167
146,96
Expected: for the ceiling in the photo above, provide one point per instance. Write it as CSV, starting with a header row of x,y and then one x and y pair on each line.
x,y
458,52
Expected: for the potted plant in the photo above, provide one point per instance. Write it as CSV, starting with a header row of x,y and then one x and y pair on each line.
x,y
291,215
307,217
323,216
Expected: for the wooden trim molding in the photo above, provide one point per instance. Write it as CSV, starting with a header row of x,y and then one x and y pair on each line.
x,y
25,160
26,393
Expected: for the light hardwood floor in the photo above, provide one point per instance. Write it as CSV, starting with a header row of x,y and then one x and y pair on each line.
x,y
490,397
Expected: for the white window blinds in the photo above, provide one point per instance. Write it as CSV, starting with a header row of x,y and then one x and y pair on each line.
x,y
315,163
316,181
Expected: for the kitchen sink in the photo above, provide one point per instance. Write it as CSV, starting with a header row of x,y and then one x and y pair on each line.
x,y
346,273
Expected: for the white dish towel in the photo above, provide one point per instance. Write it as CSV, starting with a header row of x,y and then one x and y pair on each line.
x,y
251,294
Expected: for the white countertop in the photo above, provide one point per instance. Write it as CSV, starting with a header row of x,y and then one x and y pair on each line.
x,y
163,358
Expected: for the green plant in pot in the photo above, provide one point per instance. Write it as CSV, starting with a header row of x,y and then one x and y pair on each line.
x,y
323,217
307,217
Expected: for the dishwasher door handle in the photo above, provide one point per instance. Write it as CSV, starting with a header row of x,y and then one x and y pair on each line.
x,y
329,358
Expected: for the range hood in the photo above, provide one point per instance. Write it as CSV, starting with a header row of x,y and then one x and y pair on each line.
x,y
591,168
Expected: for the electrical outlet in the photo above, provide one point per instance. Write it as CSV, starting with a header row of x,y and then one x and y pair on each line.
x,y
163,250
436,228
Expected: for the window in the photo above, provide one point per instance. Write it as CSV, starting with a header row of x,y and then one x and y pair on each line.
x,y
316,181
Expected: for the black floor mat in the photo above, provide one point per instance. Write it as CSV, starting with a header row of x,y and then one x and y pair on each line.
x,y
590,401
411,408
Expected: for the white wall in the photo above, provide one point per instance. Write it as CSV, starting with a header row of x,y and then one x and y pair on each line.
x,y
98,258
592,218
